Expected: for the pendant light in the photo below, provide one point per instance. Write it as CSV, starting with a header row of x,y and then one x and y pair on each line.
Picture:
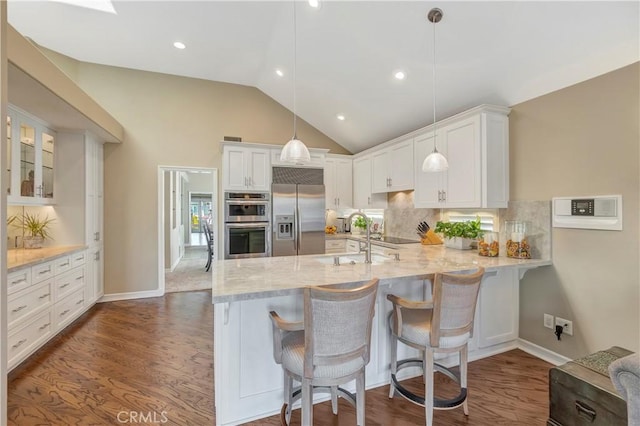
x,y
295,150
435,162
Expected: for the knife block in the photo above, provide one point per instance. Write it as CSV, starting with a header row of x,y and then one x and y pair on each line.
x,y
430,238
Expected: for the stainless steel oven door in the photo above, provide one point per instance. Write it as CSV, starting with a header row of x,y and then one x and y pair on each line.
x,y
243,240
247,211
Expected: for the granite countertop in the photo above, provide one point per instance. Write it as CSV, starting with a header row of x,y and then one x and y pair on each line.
x,y
21,258
244,279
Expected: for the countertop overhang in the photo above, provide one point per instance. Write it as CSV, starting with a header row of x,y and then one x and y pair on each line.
x,y
246,279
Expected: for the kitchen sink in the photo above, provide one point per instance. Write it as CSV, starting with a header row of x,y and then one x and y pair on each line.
x,y
351,259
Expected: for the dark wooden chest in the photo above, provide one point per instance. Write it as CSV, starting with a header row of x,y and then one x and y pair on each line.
x,y
581,392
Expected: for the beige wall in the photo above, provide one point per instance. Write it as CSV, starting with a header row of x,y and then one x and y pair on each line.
x,y
583,140
171,121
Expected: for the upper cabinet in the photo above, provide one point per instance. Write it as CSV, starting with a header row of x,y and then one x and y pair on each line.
x,y
392,167
30,160
246,168
476,144
338,176
363,198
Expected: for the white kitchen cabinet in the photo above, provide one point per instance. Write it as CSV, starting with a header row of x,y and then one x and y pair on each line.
x,y
476,144
363,198
31,160
338,182
246,168
335,246
94,178
43,299
498,308
392,167
353,246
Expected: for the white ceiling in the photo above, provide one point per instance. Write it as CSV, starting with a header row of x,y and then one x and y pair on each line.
x,y
487,52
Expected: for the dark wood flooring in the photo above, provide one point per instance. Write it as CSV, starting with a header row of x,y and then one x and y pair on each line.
x,y
153,359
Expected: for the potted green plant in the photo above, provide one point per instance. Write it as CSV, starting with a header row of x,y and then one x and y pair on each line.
x,y
460,235
36,229
360,224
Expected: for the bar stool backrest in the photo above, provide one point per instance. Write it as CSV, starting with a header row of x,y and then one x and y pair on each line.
x,y
454,304
337,325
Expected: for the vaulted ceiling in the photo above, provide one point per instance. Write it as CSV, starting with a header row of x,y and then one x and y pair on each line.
x,y
347,52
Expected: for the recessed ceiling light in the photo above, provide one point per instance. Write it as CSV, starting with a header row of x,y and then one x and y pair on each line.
x,y
400,75
341,117
315,4
279,72
179,45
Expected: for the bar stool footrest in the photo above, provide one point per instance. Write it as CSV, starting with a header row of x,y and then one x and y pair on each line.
x,y
418,400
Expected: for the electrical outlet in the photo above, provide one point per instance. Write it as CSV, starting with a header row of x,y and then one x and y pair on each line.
x,y
548,321
566,325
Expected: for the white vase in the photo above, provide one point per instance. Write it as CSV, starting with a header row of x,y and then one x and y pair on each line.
x,y
460,243
33,242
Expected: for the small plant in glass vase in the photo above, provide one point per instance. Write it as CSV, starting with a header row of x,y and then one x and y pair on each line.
x,y
460,235
36,230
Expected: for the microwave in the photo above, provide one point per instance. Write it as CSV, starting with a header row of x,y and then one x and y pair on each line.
x,y
247,207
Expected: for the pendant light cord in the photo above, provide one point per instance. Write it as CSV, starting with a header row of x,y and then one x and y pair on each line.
x,y
295,133
435,142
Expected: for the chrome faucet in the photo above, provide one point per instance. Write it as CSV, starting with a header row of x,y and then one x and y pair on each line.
x,y
367,258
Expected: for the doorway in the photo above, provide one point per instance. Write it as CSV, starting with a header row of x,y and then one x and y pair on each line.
x,y
201,211
186,201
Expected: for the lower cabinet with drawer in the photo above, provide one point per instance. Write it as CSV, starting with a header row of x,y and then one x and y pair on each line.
x,y
25,338
42,300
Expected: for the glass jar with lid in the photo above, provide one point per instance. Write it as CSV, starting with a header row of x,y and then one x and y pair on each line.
x,y
517,243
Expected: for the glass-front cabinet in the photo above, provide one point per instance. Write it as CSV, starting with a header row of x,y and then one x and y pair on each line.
x,y
31,160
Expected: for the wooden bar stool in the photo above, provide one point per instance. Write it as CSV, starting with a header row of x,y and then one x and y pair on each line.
x,y
442,324
328,349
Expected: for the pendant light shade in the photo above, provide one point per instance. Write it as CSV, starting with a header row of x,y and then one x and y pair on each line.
x,y
435,162
295,151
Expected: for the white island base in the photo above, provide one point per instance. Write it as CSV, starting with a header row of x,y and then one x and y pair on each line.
x,y
249,384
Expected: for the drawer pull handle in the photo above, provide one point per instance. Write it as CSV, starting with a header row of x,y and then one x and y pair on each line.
x,y
43,326
585,411
79,301
79,278
64,264
19,308
20,343
44,295
65,312
64,285
21,280
45,271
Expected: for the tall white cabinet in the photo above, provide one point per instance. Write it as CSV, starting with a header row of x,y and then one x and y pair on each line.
x,y
94,223
476,144
338,185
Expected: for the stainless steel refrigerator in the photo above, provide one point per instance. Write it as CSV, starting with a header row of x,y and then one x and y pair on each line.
x,y
298,216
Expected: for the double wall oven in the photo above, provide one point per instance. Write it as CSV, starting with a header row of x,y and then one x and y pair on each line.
x,y
247,229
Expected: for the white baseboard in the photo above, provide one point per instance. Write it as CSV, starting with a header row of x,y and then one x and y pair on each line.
x,y
133,295
542,353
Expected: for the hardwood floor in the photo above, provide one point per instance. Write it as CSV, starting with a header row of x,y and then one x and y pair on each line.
x,y
153,359
123,361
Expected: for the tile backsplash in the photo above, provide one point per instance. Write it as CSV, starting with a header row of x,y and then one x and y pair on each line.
x,y
401,218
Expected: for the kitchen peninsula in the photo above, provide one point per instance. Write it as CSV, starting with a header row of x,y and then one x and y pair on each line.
x,y
248,382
